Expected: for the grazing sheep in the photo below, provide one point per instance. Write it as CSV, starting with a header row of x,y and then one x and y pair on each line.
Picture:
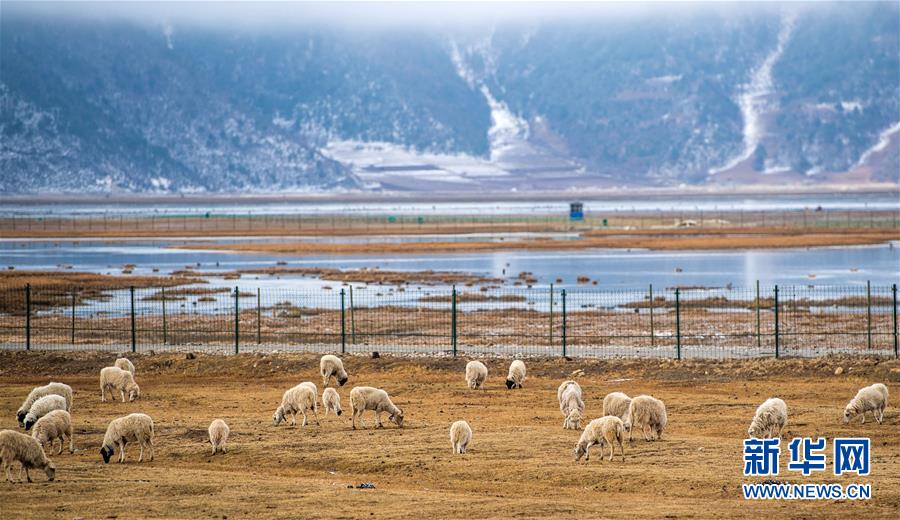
x,y
55,425
125,364
460,436
18,447
769,420
646,412
516,375
218,435
301,399
332,366
869,399
364,398
608,430
315,391
570,404
40,391
136,427
616,404
42,407
476,373
332,401
114,378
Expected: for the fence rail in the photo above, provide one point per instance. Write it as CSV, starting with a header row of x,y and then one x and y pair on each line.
x,y
773,321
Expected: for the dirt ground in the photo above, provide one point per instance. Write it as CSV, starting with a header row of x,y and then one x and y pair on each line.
x,y
520,463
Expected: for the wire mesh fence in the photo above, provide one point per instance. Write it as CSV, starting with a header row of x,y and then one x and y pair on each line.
x,y
743,322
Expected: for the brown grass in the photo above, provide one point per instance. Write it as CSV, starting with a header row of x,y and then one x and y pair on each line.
x,y
711,239
377,276
56,288
520,459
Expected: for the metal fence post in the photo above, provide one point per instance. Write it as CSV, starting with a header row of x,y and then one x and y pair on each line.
x,y
453,319
678,323
869,313
165,337
758,337
343,328
777,330
564,319
258,317
352,318
237,323
551,315
73,316
133,324
28,316
894,291
652,333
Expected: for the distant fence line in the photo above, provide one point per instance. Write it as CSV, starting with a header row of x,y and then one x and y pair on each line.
x,y
169,223
674,323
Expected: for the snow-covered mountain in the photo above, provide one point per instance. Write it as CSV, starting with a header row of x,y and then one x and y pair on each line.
x,y
805,93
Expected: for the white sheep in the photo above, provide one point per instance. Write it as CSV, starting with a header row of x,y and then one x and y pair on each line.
x,y
124,364
571,404
516,375
136,427
332,401
769,420
42,407
476,373
332,366
40,391
114,378
460,436
18,447
646,412
616,404
364,398
55,425
300,398
608,430
872,398
218,435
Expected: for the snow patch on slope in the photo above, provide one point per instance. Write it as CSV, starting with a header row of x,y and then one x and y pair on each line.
x,y
884,139
754,99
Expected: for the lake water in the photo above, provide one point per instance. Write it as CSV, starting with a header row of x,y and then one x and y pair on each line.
x,y
613,269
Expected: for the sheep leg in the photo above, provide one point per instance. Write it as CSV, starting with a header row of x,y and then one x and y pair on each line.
x,y
61,440
102,393
150,443
304,418
27,474
141,456
121,452
378,420
8,468
863,418
879,415
122,392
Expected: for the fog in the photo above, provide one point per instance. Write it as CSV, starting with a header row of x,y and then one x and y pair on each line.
x,y
359,15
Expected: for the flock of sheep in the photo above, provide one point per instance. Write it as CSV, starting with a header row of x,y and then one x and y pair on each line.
x,y
46,413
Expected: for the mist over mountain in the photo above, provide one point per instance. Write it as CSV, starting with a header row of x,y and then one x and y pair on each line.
x,y
807,93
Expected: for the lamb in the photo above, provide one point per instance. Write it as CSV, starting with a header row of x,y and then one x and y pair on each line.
x,y
114,378
18,447
570,404
869,399
605,430
124,364
300,398
218,435
42,407
769,420
616,404
330,366
646,412
332,401
364,398
40,391
460,436
136,427
55,425
476,373
516,375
